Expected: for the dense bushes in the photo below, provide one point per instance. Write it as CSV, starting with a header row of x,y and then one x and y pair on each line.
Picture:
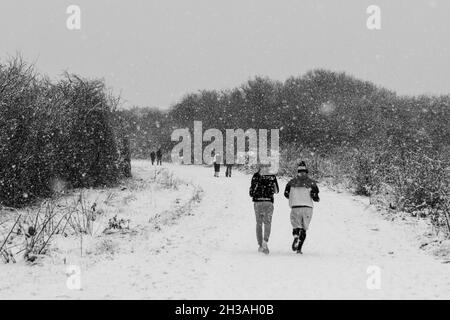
x,y
53,134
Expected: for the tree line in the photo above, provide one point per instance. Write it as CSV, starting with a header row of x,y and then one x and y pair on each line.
x,y
71,133
395,149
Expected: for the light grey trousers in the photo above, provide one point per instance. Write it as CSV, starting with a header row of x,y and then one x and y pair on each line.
x,y
263,212
301,217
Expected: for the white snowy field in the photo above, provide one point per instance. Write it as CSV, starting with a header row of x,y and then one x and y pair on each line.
x,y
210,252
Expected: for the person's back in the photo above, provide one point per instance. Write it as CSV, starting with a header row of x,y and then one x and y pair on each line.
x,y
299,189
159,157
152,156
262,188
301,192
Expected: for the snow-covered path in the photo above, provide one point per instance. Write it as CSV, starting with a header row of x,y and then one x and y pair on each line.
x,y
211,253
347,242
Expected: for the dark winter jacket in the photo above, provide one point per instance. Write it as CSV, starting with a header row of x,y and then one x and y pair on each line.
x,y
159,154
301,192
263,187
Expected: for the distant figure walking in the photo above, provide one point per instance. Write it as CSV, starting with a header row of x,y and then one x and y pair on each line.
x,y
301,192
229,166
152,157
263,186
216,161
228,170
159,157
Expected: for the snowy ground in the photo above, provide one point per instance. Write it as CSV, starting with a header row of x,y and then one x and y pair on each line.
x,y
210,252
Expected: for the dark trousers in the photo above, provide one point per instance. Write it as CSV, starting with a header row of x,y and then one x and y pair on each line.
x,y
228,171
216,169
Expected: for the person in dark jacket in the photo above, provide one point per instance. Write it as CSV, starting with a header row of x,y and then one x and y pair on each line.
x,y
217,160
152,157
263,186
159,157
301,192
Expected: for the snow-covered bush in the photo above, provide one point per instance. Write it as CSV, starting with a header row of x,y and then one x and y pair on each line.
x,y
53,131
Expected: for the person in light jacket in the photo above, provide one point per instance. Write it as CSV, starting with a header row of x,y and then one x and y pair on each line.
x,y
301,192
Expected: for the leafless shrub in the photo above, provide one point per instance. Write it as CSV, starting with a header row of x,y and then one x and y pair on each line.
x,y
32,234
116,224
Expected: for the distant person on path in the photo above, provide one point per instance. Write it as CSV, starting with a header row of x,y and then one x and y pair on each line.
x,y
216,161
301,192
159,157
152,157
263,186
228,170
229,166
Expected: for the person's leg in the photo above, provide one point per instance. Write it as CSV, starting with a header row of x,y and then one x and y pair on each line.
x,y
302,237
296,234
296,225
268,213
259,223
265,210
306,215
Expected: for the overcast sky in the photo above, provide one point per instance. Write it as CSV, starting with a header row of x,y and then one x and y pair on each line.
x,y
153,52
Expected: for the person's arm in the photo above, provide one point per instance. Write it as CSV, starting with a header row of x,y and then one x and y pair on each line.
x,y
315,192
315,188
287,190
277,188
253,185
